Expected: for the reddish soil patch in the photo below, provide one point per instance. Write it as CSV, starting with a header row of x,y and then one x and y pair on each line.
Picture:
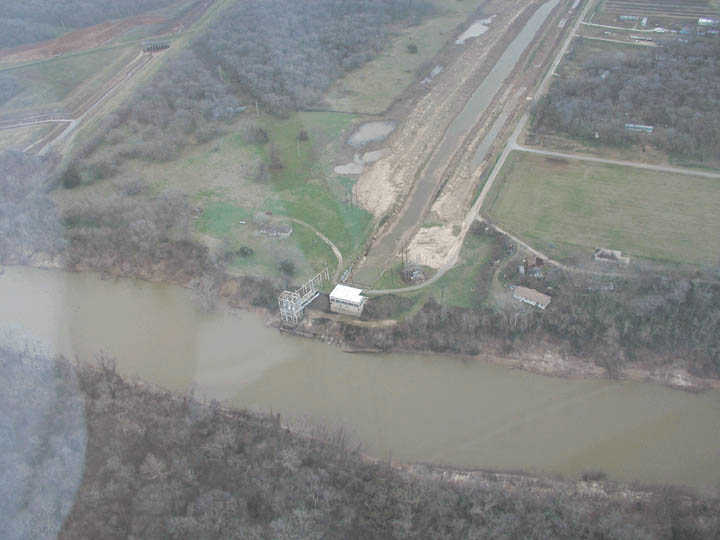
x,y
85,38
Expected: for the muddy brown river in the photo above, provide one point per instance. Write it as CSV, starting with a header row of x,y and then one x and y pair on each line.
x,y
419,408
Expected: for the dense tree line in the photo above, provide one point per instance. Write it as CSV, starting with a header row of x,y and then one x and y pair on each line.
x,y
163,465
285,53
655,318
674,87
29,220
38,20
135,236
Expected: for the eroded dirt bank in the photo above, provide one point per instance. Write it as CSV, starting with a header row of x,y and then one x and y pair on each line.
x,y
542,358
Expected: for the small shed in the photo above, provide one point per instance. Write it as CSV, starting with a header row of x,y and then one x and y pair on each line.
x,y
347,300
532,297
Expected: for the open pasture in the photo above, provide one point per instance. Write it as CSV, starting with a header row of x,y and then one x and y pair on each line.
x,y
568,208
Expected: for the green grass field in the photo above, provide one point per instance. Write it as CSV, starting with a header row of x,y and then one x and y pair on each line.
x,y
374,86
219,177
305,187
457,288
52,81
568,208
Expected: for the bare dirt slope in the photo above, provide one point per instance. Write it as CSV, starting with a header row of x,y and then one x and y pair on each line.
x,y
398,186
79,40
385,188
385,185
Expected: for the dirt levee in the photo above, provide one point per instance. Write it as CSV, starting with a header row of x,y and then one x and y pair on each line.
x,y
428,147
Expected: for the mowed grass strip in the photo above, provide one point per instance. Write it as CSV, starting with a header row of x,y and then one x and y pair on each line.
x,y
571,207
459,287
373,87
221,217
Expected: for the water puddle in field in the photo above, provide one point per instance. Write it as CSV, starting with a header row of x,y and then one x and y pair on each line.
x,y
476,29
371,132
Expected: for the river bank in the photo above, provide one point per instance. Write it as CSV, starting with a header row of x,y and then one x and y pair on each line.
x,y
541,359
249,294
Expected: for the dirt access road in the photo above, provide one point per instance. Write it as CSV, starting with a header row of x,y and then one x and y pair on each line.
x,y
67,126
439,153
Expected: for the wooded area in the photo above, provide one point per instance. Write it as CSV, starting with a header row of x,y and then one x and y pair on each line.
x,y
125,234
38,20
286,53
674,87
29,220
657,319
278,54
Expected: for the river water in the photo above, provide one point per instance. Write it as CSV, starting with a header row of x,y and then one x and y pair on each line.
x,y
418,408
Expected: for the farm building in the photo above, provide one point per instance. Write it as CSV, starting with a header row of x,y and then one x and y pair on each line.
x,y
532,297
347,300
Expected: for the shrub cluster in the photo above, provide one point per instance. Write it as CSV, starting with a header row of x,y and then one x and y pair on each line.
x,y
147,237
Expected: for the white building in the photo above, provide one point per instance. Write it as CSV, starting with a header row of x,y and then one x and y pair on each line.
x,y
347,300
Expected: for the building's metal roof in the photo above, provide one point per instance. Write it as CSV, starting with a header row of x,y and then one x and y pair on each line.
x,y
349,294
531,294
